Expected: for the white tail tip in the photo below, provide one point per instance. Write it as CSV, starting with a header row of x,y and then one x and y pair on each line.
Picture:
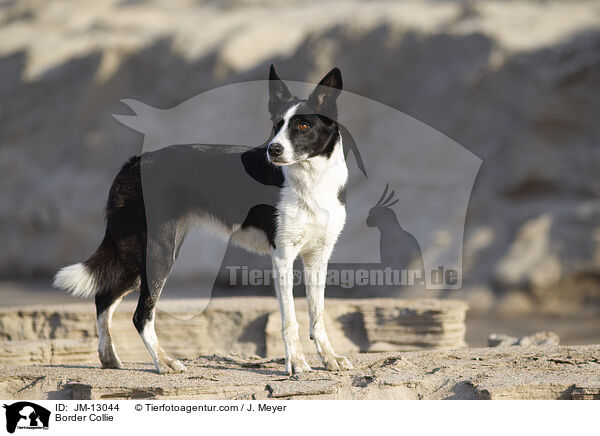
x,y
77,280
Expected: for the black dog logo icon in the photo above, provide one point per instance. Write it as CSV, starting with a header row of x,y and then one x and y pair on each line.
x,y
28,415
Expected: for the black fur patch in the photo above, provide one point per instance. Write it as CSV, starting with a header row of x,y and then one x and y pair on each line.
x,y
263,217
260,169
342,194
319,139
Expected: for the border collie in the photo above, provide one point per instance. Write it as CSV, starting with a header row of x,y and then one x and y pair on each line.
x,y
285,198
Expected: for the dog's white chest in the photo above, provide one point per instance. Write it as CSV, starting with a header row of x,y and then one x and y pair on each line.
x,y
310,212
305,223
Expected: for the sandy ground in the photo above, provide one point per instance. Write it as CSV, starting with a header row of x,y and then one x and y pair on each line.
x,y
481,373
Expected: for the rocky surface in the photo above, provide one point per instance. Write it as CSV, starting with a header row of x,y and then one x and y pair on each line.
x,y
50,351
252,325
485,373
514,82
539,339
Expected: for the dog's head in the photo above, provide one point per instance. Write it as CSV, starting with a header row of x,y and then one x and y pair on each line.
x,y
303,129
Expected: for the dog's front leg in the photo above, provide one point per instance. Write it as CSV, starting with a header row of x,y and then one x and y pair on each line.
x,y
284,281
315,274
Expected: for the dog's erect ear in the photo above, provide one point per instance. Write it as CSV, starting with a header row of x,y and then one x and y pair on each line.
x,y
278,92
324,97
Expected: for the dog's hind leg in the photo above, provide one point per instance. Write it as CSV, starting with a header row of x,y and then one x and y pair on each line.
x,y
106,303
117,279
143,320
315,274
160,256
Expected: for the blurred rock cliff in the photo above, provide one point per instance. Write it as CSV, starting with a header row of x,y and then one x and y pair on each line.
x,y
517,83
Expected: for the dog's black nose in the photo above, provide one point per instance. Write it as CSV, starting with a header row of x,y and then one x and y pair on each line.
x,y
275,149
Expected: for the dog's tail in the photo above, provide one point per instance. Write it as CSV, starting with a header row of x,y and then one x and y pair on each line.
x,y
95,275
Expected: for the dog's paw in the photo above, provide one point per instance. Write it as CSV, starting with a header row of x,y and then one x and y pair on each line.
x,y
177,366
110,361
344,363
170,367
337,363
296,364
111,364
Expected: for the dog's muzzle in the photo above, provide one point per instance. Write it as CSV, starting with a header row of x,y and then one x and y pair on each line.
x,y
275,149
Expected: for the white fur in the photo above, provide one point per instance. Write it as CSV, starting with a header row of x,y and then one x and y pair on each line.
x,y
211,224
310,213
77,280
163,363
310,220
148,335
106,347
282,137
252,239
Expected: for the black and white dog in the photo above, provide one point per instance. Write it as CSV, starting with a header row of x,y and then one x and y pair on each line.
x,y
285,198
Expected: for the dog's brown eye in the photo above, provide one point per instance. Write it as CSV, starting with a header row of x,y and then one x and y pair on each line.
x,y
303,126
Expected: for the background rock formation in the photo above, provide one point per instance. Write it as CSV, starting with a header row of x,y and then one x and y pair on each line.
x,y
516,83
